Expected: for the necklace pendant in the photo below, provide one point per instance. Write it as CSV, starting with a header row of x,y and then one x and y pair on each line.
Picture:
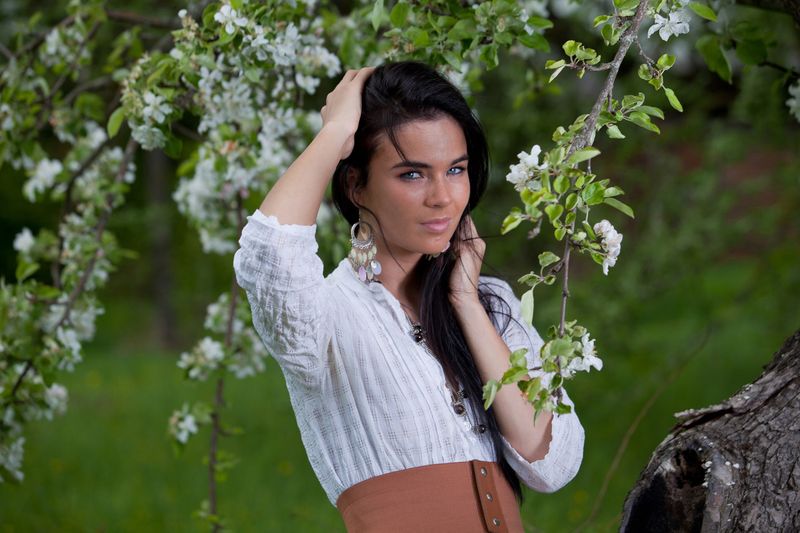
x,y
417,333
458,402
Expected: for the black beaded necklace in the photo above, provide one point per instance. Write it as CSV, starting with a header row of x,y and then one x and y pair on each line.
x,y
417,333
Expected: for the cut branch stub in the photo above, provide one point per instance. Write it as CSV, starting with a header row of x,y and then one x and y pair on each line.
x,y
734,466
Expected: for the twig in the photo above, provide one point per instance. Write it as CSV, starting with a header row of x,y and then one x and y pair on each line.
x,y
586,136
219,402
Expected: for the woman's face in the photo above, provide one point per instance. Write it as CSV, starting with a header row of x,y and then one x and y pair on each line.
x,y
419,201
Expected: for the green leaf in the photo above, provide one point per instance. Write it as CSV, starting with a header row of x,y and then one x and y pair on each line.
x,y
547,258
710,47
571,47
540,23
463,29
652,111
419,38
554,211
601,19
561,184
643,121
703,10
665,61
673,100
535,41
25,270
560,232
399,14
644,72
510,222
517,358
377,14
613,191
572,199
556,73
613,132
115,121
489,55
554,64
613,202
589,230
489,392
561,347
582,155
526,308
626,5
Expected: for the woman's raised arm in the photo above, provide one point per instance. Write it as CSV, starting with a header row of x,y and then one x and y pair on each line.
x,y
296,196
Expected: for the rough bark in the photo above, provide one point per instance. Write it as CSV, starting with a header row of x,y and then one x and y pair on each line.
x,y
734,466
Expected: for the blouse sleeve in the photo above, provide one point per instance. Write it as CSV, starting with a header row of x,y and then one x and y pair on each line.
x,y
278,267
565,454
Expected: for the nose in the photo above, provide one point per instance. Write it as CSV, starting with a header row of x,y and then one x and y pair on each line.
x,y
439,192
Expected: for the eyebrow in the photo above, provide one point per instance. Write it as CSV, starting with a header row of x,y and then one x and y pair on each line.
x,y
420,164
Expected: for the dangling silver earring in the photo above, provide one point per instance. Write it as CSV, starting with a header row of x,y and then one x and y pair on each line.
x,y
362,254
434,256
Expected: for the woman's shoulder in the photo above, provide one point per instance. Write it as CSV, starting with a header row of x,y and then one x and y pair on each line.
x,y
495,284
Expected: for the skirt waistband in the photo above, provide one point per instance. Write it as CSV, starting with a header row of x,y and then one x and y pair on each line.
x,y
464,497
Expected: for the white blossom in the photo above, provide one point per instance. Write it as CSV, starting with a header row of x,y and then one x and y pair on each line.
x,y
154,109
56,397
585,361
676,23
284,47
68,339
11,458
307,83
149,137
204,358
182,13
523,174
611,243
43,177
24,241
794,102
182,424
6,117
214,243
229,17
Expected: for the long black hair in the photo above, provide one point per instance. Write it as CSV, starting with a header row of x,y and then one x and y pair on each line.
x,y
393,95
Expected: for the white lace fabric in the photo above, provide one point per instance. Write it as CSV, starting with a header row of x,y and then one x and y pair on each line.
x,y
368,400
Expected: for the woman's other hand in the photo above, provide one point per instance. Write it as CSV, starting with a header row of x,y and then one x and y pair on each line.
x,y
342,109
466,272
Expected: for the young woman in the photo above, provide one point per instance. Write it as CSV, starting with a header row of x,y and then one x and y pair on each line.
x,y
385,359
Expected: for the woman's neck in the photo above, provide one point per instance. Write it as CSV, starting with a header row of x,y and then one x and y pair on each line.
x,y
398,277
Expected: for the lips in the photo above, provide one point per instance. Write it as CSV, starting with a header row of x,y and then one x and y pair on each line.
x,y
437,224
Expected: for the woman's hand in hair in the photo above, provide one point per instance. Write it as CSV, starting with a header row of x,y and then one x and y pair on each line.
x,y
342,109
466,272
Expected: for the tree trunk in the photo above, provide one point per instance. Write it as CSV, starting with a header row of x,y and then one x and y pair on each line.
x,y
734,466
157,178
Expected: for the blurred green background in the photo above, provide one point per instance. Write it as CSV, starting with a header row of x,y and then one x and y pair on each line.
x,y
705,291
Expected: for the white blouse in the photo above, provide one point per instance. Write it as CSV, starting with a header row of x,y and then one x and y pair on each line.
x,y
367,398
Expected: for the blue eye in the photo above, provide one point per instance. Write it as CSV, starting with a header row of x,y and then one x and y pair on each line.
x,y
407,175
459,169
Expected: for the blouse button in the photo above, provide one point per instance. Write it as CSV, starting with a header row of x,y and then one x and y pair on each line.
x,y
483,471
489,496
496,521
480,428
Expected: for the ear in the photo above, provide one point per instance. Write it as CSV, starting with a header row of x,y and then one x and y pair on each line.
x,y
355,192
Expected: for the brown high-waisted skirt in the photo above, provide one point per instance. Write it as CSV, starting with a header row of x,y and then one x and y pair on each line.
x,y
464,497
